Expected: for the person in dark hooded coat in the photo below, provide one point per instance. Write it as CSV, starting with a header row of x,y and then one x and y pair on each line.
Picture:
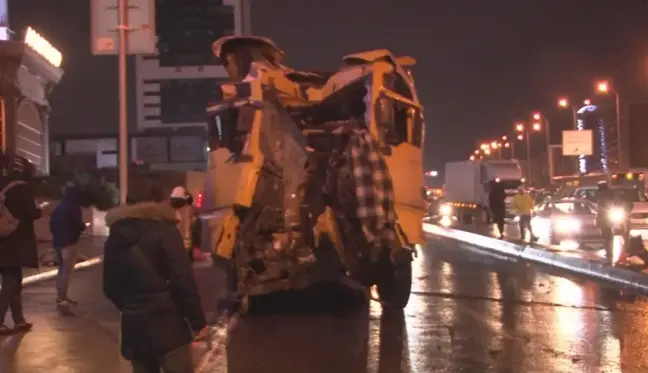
x,y
497,206
18,249
149,278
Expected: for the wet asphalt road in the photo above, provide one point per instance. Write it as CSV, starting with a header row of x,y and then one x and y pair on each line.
x,y
468,313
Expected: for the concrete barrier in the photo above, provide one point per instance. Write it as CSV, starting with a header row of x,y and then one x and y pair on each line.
x,y
632,280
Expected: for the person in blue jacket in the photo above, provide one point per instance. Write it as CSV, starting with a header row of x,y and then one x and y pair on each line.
x,y
66,226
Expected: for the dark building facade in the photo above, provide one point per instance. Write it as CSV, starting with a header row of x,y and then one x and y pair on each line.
x,y
26,80
173,85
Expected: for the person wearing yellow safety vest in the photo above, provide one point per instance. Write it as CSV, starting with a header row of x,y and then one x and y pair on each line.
x,y
523,207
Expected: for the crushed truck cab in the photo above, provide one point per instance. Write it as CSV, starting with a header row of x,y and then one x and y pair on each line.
x,y
314,176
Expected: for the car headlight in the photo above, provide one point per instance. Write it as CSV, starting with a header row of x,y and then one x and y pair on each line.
x,y
445,210
616,215
565,225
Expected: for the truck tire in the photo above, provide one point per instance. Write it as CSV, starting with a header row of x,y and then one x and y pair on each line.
x,y
395,283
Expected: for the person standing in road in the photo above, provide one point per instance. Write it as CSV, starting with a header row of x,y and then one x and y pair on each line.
x,y
149,278
66,226
604,203
17,249
523,207
496,198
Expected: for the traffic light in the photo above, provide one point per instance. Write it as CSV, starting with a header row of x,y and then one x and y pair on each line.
x,y
638,133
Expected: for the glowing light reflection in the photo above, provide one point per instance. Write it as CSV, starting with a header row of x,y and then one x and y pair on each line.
x,y
569,321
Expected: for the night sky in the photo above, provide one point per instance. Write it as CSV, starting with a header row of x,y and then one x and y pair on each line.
x,y
481,64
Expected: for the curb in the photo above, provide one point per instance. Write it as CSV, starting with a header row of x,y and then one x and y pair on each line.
x,y
48,275
599,271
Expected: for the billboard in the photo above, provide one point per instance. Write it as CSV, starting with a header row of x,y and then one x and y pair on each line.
x,y
577,143
104,24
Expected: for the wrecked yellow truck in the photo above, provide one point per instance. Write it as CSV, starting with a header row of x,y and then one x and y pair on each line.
x,y
314,176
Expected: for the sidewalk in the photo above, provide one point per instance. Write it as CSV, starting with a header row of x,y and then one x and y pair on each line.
x,y
86,340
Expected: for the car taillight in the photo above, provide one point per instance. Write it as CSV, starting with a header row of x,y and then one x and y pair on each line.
x,y
199,199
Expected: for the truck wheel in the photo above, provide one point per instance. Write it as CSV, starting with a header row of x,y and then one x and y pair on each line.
x,y
395,284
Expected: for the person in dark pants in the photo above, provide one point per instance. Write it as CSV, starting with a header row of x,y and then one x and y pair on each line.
x,y
17,249
496,198
66,226
149,278
523,206
604,203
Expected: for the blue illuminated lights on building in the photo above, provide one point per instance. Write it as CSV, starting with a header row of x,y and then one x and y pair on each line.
x,y
585,162
604,158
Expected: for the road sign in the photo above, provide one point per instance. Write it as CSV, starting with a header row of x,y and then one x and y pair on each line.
x,y
576,143
104,25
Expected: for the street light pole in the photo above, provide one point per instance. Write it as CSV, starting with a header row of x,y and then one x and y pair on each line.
x,y
123,113
528,151
549,155
621,158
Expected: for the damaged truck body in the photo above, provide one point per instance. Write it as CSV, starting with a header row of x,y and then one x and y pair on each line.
x,y
314,177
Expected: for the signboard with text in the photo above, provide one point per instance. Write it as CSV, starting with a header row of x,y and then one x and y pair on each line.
x,y
104,25
577,142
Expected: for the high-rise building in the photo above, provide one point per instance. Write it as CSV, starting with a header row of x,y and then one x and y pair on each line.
x,y
172,87
638,128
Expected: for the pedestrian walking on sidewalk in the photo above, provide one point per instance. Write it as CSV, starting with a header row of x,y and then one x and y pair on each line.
x,y
18,242
523,207
66,226
149,278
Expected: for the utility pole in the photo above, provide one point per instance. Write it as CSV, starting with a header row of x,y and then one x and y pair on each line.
x,y
123,96
121,28
528,154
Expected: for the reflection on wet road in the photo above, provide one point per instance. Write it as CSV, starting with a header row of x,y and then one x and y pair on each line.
x,y
469,313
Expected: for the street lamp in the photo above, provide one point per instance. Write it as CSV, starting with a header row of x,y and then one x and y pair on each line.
x,y
604,87
472,157
504,138
587,102
537,127
563,102
520,127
